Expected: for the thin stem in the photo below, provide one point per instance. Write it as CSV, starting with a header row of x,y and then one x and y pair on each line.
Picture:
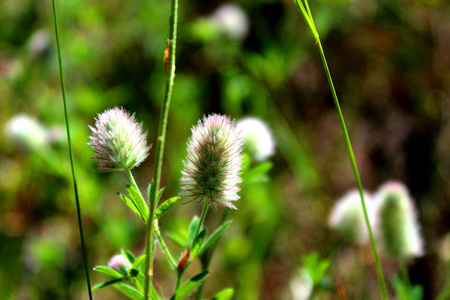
x,y
179,276
163,245
202,219
348,145
75,186
160,143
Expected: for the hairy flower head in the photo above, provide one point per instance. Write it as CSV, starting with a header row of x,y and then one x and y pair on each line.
x,y
117,141
347,216
258,138
213,164
119,263
397,226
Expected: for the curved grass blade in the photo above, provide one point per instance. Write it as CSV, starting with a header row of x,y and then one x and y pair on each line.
x,y
189,286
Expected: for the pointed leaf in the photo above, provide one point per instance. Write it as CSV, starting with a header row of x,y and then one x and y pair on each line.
x,y
258,173
189,286
131,205
193,228
180,238
108,271
128,255
105,284
198,242
214,237
140,203
226,294
129,291
160,192
137,263
165,206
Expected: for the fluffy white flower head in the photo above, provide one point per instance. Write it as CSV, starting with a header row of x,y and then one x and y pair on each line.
x,y
213,164
117,141
347,216
232,20
27,131
258,138
397,228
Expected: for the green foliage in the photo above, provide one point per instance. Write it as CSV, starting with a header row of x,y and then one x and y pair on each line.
x,y
226,294
213,237
198,243
165,206
316,267
189,286
406,291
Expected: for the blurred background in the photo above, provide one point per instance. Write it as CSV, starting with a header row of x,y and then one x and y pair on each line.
x,y
390,63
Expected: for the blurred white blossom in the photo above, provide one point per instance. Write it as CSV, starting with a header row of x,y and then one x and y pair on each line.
x,y
27,131
257,137
232,20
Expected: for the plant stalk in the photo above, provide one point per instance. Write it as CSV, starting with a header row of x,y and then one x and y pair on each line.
x,y
69,141
160,143
202,219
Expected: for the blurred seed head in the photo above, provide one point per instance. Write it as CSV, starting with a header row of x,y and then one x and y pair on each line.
x,y
257,137
120,264
213,164
347,216
397,228
118,141
27,131
232,20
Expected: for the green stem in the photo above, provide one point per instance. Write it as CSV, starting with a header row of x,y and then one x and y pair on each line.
x,y
163,245
77,201
202,219
179,276
348,145
160,142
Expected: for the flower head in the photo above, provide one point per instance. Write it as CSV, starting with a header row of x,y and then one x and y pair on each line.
x,y
258,139
119,263
397,226
117,141
347,216
213,164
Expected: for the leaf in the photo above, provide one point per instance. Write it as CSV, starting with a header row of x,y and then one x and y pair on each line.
x,y
137,263
189,286
226,294
129,291
197,244
193,228
128,255
180,238
140,283
105,284
161,191
131,205
213,237
165,206
137,199
108,271
258,173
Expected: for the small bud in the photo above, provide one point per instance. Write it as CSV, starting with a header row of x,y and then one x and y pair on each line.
x,y
213,164
117,141
397,227
347,216
258,139
183,260
120,264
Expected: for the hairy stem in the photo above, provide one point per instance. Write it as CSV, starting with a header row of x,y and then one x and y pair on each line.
x,y
164,246
202,219
63,89
160,143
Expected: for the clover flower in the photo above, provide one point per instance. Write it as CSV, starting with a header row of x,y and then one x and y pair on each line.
x,y
347,216
120,264
258,138
117,141
213,164
397,227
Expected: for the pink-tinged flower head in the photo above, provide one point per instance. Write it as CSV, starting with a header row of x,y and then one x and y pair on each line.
x,y
213,164
118,141
120,264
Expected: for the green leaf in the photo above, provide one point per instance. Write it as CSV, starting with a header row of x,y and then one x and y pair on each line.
x,y
129,291
214,237
258,173
226,294
165,206
193,228
138,262
316,267
189,286
197,244
131,205
180,238
105,284
128,255
108,271
161,191
138,201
